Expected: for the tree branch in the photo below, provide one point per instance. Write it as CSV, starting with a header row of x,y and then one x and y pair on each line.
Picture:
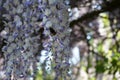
x,y
108,6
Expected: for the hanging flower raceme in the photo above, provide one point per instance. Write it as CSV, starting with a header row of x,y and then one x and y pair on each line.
x,y
56,31
22,16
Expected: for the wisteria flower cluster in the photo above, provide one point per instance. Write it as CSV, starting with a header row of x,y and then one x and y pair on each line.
x,y
25,19
21,45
